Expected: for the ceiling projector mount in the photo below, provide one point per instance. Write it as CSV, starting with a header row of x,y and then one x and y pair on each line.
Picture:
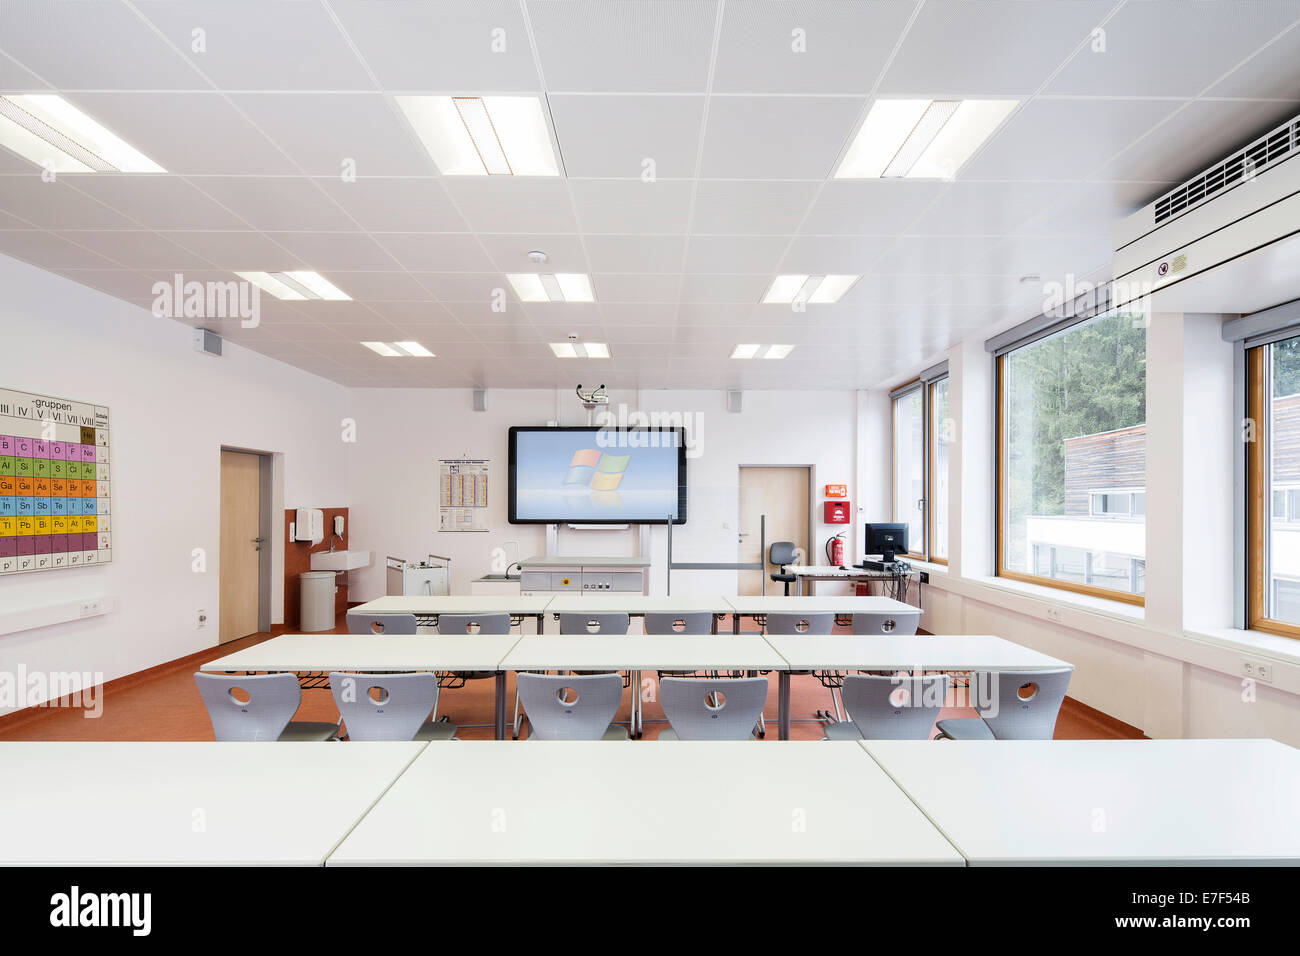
x,y
592,397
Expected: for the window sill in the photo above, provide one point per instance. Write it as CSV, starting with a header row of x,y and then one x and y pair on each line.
x,y
1121,610
1284,650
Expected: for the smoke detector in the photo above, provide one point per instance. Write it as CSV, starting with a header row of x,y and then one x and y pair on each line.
x,y
538,256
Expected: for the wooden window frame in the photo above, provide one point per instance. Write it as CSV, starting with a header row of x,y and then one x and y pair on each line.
x,y
931,445
1090,590
1259,510
924,549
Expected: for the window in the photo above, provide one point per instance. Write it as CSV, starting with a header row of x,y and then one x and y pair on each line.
x,y
941,435
909,467
1272,474
922,429
1072,458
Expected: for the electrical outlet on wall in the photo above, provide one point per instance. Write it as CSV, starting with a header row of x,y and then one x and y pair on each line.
x,y
1054,615
200,619
92,607
1257,670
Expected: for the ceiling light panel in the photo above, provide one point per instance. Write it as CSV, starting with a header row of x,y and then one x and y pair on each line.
x,y
817,290
921,139
399,349
483,135
547,287
48,130
761,351
296,286
592,350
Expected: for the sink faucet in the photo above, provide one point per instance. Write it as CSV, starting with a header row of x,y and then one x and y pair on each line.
x,y
332,537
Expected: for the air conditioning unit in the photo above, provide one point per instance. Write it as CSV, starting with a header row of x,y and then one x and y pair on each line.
x,y
1227,240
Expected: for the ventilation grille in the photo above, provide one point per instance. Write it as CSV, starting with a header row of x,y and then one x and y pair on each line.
x,y
1268,150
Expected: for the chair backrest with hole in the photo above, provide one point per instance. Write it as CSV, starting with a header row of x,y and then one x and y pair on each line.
x,y
381,623
473,624
894,708
785,623
572,707
1027,702
872,623
249,708
594,623
692,622
725,709
384,706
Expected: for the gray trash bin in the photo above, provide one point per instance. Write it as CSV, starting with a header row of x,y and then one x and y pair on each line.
x,y
317,600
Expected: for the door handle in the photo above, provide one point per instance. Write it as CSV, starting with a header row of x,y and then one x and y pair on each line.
x,y
258,543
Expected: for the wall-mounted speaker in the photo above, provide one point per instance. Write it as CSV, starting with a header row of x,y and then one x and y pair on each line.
x,y
480,399
733,401
207,342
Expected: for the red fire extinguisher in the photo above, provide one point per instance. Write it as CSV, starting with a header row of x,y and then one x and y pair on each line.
x,y
835,550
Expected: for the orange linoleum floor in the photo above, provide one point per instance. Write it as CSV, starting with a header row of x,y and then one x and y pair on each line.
x,y
163,704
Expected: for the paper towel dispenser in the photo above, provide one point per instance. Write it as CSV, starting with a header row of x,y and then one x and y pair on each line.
x,y
309,525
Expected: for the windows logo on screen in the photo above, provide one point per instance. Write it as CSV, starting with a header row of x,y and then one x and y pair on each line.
x,y
596,469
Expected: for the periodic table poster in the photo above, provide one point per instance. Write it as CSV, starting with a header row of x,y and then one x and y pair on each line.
x,y
54,483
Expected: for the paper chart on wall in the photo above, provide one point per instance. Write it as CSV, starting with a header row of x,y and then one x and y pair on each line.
x,y
463,494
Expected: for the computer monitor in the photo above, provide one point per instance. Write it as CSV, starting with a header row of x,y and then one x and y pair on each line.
x,y
886,540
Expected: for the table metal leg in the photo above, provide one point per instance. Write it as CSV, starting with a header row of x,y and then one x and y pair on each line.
x,y
735,622
541,623
783,705
501,706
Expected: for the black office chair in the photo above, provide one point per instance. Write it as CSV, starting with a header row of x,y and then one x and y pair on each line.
x,y
782,553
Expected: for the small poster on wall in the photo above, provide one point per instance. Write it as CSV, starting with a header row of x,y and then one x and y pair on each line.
x,y
463,494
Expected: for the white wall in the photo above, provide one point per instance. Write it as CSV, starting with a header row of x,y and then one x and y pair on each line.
x,y
171,411
392,472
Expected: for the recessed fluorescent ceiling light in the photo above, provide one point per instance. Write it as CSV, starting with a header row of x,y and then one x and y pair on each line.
x,y
921,139
560,287
762,351
483,135
399,349
580,350
51,132
296,285
819,290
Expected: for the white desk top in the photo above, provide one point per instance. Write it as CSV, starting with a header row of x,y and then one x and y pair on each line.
x,y
584,561
835,604
832,571
641,652
1105,801
637,603
456,604
555,802
304,653
85,804
958,652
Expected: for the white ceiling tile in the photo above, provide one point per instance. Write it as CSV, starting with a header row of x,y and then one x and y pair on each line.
x,y
758,208
133,249
637,288
988,209
636,253
625,45
396,205
935,255
453,46
282,203
619,314
660,335
510,253
1170,47
92,45
628,137
869,206
14,77
833,255
377,286
294,46
414,313
735,254
419,252
1050,257
158,202
1269,74
463,286
198,133
120,283
990,48
631,205
773,137
891,290
503,204
55,205
817,46
48,251
324,251
1064,139
488,312
237,251
333,134
515,334
726,288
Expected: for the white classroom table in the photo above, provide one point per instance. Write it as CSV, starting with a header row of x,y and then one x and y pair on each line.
x,y
637,652
685,802
95,803
882,652
637,605
321,653
1138,802
807,576
758,605
424,606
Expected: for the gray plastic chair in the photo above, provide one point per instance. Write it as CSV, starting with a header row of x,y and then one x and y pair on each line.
x,y
870,623
273,699
782,553
725,709
389,706
595,623
692,622
584,713
889,708
785,623
471,624
381,623
1027,705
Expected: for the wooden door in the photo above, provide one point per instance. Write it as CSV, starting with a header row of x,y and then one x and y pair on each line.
x,y
241,487
782,495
